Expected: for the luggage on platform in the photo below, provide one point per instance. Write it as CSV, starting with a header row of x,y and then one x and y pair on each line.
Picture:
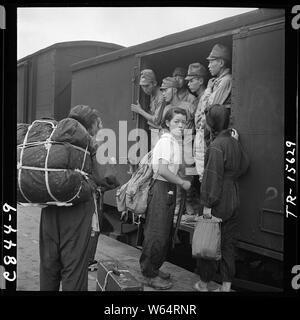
x,y
112,276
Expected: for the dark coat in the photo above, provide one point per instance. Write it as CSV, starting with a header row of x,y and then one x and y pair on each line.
x,y
225,162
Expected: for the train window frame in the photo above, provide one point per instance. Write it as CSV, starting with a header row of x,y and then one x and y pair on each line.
x,y
145,60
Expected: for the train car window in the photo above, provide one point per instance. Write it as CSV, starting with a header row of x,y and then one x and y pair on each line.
x,y
163,63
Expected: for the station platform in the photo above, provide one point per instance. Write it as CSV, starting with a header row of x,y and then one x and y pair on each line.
x,y
111,249
108,249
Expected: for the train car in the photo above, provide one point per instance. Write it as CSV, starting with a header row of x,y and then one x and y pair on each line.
x,y
257,40
44,78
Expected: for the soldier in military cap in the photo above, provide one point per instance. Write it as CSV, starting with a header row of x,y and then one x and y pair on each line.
x,y
218,88
169,88
197,78
154,116
183,93
217,92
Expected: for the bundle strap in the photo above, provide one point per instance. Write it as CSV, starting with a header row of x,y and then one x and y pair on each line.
x,y
48,145
37,143
84,157
103,288
22,153
19,167
44,205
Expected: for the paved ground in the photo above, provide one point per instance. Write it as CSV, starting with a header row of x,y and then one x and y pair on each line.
x,y
28,250
28,257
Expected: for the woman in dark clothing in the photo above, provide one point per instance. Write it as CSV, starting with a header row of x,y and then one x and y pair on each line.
x,y
65,232
225,162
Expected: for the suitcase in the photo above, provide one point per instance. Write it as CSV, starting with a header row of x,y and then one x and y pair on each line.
x,y
112,276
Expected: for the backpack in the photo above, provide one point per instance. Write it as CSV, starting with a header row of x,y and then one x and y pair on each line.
x,y
133,195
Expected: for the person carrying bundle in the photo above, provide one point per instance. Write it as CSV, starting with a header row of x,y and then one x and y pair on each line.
x,y
65,232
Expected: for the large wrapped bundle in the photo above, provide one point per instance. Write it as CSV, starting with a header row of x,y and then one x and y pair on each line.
x,y
64,186
60,156
54,162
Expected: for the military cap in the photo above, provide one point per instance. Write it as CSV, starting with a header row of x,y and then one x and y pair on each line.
x,y
147,77
179,71
169,82
196,70
219,52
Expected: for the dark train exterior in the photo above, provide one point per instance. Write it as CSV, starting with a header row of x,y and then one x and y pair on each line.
x,y
109,82
44,78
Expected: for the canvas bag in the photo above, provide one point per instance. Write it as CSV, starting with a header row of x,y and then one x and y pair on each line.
x,y
139,185
206,241
138,201
133,195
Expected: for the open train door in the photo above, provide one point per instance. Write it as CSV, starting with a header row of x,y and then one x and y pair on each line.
x,y
258,115
139,121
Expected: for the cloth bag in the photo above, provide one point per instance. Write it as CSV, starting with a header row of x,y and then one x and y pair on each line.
x,y
206,242
133,195
138,201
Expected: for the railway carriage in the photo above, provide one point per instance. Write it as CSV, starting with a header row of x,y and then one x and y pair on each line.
x,y
257,41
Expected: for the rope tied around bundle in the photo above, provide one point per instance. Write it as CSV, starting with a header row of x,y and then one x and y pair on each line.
x,y
115,271
48,144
